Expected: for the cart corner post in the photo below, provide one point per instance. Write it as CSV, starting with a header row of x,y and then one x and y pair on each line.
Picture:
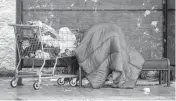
x,y
19,19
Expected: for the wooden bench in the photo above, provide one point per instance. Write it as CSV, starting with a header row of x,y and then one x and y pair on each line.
x,y
159,65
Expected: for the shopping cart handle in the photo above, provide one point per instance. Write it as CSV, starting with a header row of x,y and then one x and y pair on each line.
x,y
23,25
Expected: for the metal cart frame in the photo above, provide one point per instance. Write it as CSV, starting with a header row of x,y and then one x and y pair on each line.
x,y
39,74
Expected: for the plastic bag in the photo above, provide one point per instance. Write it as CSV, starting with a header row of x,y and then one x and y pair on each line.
x,y
67,39
45,29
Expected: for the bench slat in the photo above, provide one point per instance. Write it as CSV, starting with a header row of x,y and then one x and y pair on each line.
x,y
156,64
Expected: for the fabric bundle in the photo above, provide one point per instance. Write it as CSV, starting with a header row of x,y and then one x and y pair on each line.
x,y
104,49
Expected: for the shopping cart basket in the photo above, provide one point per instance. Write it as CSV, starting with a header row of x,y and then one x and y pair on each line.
x,y
31,44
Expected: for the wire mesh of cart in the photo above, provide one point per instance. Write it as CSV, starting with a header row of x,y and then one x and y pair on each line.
x,y
33,43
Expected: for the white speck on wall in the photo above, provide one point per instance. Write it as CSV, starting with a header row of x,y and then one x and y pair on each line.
x,y
38,6
156,30
143,4
154,23
139,19
31,7
145,33
139,22
139,25
154,7
147,12
85,0
51,15
44,5
95,1
72,4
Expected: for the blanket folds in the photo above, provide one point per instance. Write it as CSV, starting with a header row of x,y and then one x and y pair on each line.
x,y
104,49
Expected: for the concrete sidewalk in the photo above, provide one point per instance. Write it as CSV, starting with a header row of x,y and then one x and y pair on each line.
x,y
51,91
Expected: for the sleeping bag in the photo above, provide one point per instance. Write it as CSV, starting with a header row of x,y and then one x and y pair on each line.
x,y
104,49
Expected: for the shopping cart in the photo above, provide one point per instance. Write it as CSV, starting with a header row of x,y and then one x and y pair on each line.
x,y
31,45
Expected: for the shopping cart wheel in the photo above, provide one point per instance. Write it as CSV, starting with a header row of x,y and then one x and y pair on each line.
x,y
13,82
61,81
36,85
73,82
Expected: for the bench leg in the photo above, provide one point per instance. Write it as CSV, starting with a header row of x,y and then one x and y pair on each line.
x,y
160,77
168,77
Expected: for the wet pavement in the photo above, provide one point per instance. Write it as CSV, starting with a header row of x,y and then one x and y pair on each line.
x,y
51,91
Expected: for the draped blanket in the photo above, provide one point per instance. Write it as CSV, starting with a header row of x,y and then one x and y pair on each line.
x,y
104,49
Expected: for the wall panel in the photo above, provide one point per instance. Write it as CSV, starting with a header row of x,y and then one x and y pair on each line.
x,y
92,4
140,20
171,37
